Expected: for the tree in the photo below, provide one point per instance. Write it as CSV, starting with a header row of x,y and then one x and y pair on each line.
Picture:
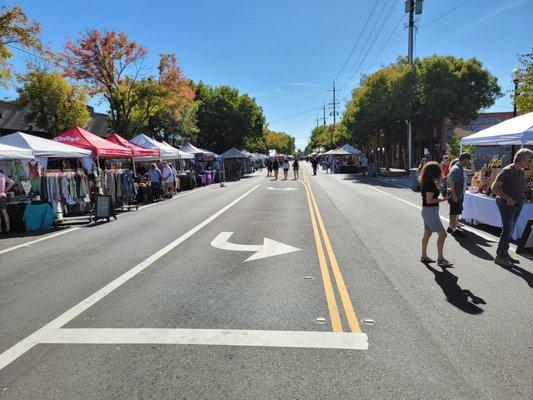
x,y
524,92
15,29
226,119
55,104
111,65
434,88
280,141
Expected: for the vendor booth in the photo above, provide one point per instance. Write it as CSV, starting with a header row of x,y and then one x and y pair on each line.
x,y
51,183
479,203
341,161
234,163
181,160
206,165
115,179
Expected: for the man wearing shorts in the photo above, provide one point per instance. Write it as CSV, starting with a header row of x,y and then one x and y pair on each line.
x,y
456,181
5,185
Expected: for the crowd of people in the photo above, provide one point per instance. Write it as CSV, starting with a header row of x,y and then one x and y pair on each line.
x,y
446,182
163,180
273,165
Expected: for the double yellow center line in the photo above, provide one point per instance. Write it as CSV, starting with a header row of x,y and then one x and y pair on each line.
x,y
318,229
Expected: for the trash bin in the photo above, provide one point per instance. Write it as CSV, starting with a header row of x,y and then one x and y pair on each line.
x,y
413,174
372,171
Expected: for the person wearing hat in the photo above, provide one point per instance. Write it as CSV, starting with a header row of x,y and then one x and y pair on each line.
x,y
509,190
456,185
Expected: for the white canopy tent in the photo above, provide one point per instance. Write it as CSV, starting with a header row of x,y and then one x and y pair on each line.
x,y
167,151
515,131
338,152
14,153
43,148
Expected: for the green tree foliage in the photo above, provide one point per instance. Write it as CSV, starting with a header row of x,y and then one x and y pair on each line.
x,y
55,104
524,95
455,147
434,88
226,118
328,137
15,29
280,141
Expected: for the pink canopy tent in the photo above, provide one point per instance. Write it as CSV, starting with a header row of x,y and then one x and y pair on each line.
x,y
138,151
100,147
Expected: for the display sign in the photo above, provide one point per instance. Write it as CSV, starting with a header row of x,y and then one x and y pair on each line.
x,y
104,208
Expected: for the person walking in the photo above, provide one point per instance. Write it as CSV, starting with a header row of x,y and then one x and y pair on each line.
x,y
296,168
509,190
445,165
275,167
5,186
285,165
269,167
155,176
314,164
431,182
456,184
168,179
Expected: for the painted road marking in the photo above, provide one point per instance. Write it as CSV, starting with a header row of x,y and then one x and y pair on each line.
x,y
336,324
269,248
29,342
281,190
214,337
42,239
339,280
477,232
67,230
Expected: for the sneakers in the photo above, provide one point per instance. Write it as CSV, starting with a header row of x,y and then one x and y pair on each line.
x,y
503,262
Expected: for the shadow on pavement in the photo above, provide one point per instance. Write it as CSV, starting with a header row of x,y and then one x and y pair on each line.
x,y
461,298
360,178
13,235
520,272
474,245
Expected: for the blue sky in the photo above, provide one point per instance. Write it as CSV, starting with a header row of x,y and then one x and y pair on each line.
x,y
287,53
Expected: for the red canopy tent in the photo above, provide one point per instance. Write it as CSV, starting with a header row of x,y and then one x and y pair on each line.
x,y
138,151
100,147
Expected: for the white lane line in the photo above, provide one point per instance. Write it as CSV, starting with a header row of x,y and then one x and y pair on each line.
x,y
26,344
67,230
477,232
214,337
42,239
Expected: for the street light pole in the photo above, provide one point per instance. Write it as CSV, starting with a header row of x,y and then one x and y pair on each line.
x,y
411,6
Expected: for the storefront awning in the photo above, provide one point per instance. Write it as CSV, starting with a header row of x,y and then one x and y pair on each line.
x,y
99,147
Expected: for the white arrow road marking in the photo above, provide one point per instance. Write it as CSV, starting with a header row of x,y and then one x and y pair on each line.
x,y
281,190
269,248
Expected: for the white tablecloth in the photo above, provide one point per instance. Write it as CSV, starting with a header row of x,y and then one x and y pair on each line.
x,y
483,209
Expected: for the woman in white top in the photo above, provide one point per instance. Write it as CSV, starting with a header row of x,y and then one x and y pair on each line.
x,y
285,166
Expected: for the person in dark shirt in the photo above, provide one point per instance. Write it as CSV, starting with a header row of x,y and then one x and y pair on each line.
x,y
296,168
314,163
275,167
431,182
509,189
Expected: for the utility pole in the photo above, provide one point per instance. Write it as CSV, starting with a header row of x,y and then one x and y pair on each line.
x,y
334,104
412,7
324,111
317,122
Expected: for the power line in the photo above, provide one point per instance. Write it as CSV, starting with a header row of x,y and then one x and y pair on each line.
x,y
366,42
48,60
358,39
386,42
445,14
373,42
296,115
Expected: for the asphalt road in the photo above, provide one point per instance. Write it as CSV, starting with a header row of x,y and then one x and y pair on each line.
x,y
166,304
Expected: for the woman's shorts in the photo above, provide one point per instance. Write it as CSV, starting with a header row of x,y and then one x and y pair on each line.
x,y
3,203
431,218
